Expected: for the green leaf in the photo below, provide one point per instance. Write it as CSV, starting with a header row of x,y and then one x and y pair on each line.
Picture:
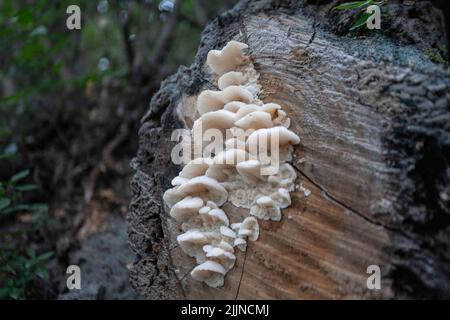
x,y
38,207
361,21
16,293
19,207
4,202
31,253
41,272
45,256
26,187
19,176
352,5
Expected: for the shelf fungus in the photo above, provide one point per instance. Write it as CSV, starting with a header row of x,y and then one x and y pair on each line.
x,y
247,167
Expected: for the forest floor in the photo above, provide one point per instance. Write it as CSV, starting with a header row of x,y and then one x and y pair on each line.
x,y
81,161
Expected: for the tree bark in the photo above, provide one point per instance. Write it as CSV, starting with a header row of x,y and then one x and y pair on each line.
x,y
373,116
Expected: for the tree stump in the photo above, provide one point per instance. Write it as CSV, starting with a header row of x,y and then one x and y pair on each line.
x,y
373,116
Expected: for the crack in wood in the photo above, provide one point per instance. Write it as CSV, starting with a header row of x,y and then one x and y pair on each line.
x,y
242,273
349,208
313,36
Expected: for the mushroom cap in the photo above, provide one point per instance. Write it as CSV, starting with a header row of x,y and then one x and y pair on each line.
x,y
250,170
172,196
265,201
231,157
236,226
241,244
195,168
205,188
262,138
234,106
287,175
227,232
178,181
282,119
271,108
210,100
227,59
211,204
204,210
224,164
220,172
285,136
192,242
231,78
224,258
220,119
255,120
282,198
236,93
215,217
186,208
234,143
266,212
240,134
210,272
246,109
223,245
249,228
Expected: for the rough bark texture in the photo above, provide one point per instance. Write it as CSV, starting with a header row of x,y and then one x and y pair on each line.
x,y
373,115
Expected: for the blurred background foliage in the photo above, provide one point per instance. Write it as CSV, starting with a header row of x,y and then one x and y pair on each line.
x,y
70,105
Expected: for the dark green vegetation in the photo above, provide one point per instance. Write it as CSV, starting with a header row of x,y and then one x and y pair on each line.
x,y
70,105
360,9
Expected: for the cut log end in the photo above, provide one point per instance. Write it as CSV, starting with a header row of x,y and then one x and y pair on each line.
x,y
373,184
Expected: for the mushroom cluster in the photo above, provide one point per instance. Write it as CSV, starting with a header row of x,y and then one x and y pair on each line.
x,y
236,173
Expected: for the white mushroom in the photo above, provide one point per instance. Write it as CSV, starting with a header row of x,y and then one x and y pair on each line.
x,y
234,106
172,196
224,164
227,59
282,198
210,272
249,228
255,120
211,204
210,100
224,258
286,175
234,143
192,242
250,170
284,135
282,119
223,245
266,208
228,234
220,119
206,188
239,174
246,109
186,208
235,226
178,181
241,244
232,78
195,168
214,217
272,109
